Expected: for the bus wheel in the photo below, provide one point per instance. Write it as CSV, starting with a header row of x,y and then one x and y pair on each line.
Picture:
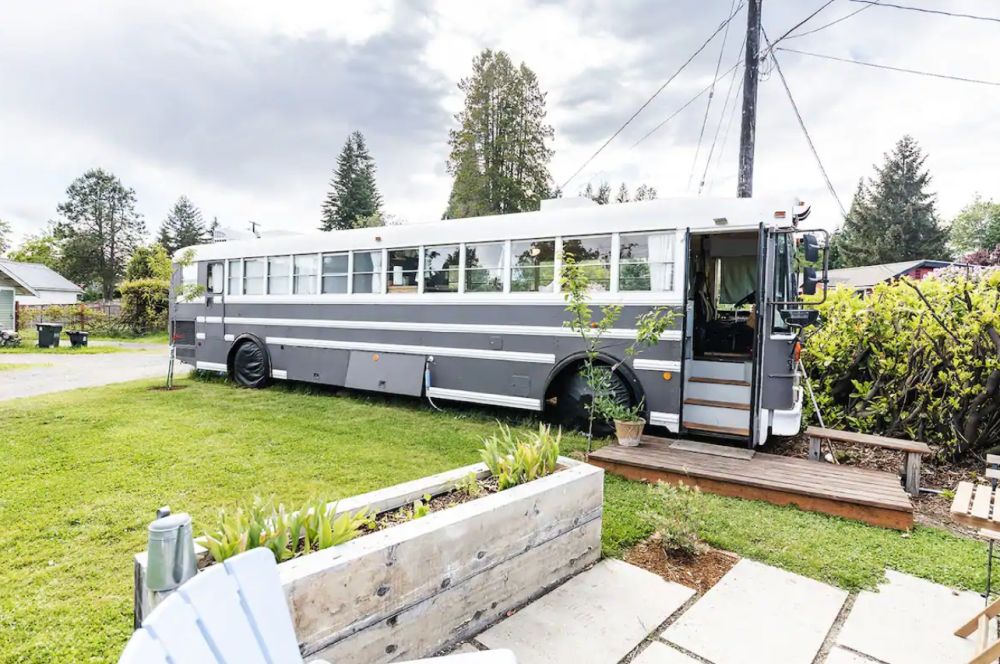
x,y
569,402
251,366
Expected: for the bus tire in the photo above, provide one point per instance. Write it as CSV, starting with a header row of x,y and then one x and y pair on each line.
x,y
250,365
568,402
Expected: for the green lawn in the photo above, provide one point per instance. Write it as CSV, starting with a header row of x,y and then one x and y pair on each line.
x,y
63,349
84,471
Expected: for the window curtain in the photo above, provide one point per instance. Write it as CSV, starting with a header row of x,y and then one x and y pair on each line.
x,y
661,261
738,278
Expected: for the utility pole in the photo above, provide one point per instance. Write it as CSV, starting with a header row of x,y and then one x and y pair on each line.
x,y
748,128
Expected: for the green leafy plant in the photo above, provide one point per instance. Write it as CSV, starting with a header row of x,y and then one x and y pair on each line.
x,y
917,360
261,523
676,518
420,509
514,460
650,326
469,485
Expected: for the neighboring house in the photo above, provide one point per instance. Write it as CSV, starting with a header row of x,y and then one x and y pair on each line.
x,y
865,278
31,283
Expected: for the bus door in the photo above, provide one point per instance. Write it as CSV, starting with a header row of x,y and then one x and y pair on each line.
x,y
215,299
758,425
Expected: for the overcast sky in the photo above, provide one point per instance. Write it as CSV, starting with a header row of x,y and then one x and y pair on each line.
x,y
243,106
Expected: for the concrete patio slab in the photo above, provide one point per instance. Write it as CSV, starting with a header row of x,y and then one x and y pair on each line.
x,y
910,620
758,613
841,656
597,617
660,653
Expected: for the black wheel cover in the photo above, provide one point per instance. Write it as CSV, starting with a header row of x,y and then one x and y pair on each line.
x,y
251,365
573,397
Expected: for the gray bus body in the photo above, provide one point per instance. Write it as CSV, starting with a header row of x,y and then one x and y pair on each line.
x,y
486,324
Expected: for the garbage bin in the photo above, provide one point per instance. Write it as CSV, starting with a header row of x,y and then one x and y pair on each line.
x,y
48,334
77,338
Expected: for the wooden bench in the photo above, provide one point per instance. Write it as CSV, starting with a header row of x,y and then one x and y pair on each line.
x,y
914,450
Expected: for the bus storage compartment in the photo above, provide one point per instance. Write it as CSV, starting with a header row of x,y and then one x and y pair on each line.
x,y
386,372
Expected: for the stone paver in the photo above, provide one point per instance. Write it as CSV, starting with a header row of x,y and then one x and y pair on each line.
x,y
841,656
597,617
758,613
58,372
660,653
911,621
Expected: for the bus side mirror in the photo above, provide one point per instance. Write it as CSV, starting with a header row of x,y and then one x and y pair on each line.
x,y
799,317
809,281
810,248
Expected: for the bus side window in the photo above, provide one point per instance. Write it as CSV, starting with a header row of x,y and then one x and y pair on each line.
x,y
214,280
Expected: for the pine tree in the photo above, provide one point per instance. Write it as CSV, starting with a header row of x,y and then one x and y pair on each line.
x,y
893,216
353,192
499,157
183,227
99,230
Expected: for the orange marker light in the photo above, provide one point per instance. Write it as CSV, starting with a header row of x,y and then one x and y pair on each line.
x,y
375,357
667,375
796,351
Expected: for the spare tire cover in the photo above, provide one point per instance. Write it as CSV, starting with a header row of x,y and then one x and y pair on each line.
x,y
250,365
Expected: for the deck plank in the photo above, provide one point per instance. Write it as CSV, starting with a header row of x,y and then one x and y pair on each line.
x,y
872,496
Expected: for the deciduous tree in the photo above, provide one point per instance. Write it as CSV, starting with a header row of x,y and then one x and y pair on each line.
x,y
42,248
976,227
602,195
499,156
99,229
353,192
893,216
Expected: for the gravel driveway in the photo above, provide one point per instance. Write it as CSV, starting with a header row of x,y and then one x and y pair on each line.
x,y
55,373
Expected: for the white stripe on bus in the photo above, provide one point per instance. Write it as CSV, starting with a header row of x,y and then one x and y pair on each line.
x,y
669,420
630,298
443,351
199,335
406,326
211,366
484,398
656,365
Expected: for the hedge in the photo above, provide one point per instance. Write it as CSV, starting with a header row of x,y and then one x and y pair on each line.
x,y
918,360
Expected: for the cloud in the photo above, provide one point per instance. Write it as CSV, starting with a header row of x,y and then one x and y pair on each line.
x,y
244,106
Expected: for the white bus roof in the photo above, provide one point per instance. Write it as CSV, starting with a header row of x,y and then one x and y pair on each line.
x,y
566,217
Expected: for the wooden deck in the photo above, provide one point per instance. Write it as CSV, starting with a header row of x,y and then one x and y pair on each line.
x,y
872,496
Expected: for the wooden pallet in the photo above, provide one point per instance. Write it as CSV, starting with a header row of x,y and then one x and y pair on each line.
x,y
871,496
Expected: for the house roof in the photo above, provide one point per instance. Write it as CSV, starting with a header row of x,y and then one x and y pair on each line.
x,y
35,277
866,276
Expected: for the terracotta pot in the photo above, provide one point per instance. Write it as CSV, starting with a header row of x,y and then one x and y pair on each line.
x,y
628,433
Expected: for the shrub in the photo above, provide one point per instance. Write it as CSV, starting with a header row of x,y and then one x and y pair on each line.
x,y
917,360
516,460
676,518
287,534
144,305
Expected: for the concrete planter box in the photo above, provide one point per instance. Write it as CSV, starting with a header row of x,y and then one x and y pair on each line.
x,y
412,589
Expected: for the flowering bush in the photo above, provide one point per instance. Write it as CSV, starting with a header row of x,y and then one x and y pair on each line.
x,y
917,360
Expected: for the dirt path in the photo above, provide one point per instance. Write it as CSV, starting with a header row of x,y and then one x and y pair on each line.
x,y
56,373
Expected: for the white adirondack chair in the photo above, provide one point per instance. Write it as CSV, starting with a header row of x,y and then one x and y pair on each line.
x,y
235,613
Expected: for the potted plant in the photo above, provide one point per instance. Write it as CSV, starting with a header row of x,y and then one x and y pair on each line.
x,y
627,419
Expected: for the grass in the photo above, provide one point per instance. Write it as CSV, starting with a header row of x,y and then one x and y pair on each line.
x,y
83,472
64,349
31,336
7,366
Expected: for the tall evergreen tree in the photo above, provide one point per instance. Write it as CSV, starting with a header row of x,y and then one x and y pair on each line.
x,y
99,231
353,193
499,157
183,226
5,232
893,216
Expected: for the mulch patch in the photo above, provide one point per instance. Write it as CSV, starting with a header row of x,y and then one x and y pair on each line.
x,y
701,571
935,473
437,503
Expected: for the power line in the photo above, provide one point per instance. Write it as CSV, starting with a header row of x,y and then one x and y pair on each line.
x,y
718,128
711,93
797,26
729,127
831,23
683,106
925,10
802,124
891,68
654,95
